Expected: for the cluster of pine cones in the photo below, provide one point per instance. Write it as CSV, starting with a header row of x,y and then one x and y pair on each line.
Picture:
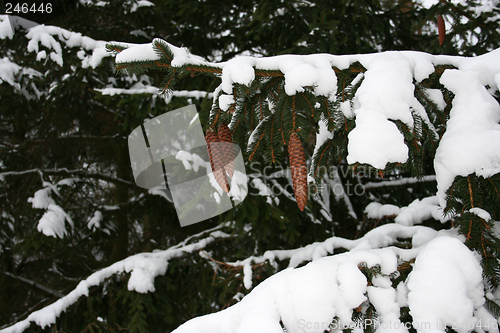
x,y
222,161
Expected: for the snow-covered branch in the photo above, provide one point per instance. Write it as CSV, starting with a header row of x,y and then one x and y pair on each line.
x,y
384,97
399,182
143,269
327,290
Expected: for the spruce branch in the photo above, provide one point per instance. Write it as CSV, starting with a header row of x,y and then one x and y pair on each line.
x,y
115,48
257,136
161,48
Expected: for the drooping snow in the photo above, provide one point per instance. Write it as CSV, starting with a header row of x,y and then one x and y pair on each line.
x,y
95,221
54,38
42,199
44,35
6,30
8,72
375,140
386,93
471,143
53,221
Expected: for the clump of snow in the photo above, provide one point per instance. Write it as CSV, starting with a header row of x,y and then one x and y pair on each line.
x,y
386,93
6,30
323,134
53,221
238,70
141,3
247,276
421,210
387,87
375,210
95,221
481,213
375,140
8,72
138,52
192,161
384,300
437,97
264,191
225,102
68,182
471,143
445,287
239,186
42,199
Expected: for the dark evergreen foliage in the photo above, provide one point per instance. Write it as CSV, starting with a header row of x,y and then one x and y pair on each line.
x,y
75,132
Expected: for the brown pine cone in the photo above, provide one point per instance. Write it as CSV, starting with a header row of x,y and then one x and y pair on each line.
x,y
216,156
298,169
441,29
228,154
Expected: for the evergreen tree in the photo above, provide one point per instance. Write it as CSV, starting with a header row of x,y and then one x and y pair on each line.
x,y
71,210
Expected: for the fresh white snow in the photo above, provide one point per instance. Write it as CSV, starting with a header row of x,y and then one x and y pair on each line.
x,y
445,286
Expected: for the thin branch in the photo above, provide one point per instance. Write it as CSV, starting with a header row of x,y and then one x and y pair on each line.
x,y
66,172
34,284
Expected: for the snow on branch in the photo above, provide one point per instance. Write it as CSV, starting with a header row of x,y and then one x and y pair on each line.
x,y
143,269
140,88
51,37
327,290
399,182
382,236
389,119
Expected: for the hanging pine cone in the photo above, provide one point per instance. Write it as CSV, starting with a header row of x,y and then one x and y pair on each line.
x,y
228,153
216,160
441,29
298,169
